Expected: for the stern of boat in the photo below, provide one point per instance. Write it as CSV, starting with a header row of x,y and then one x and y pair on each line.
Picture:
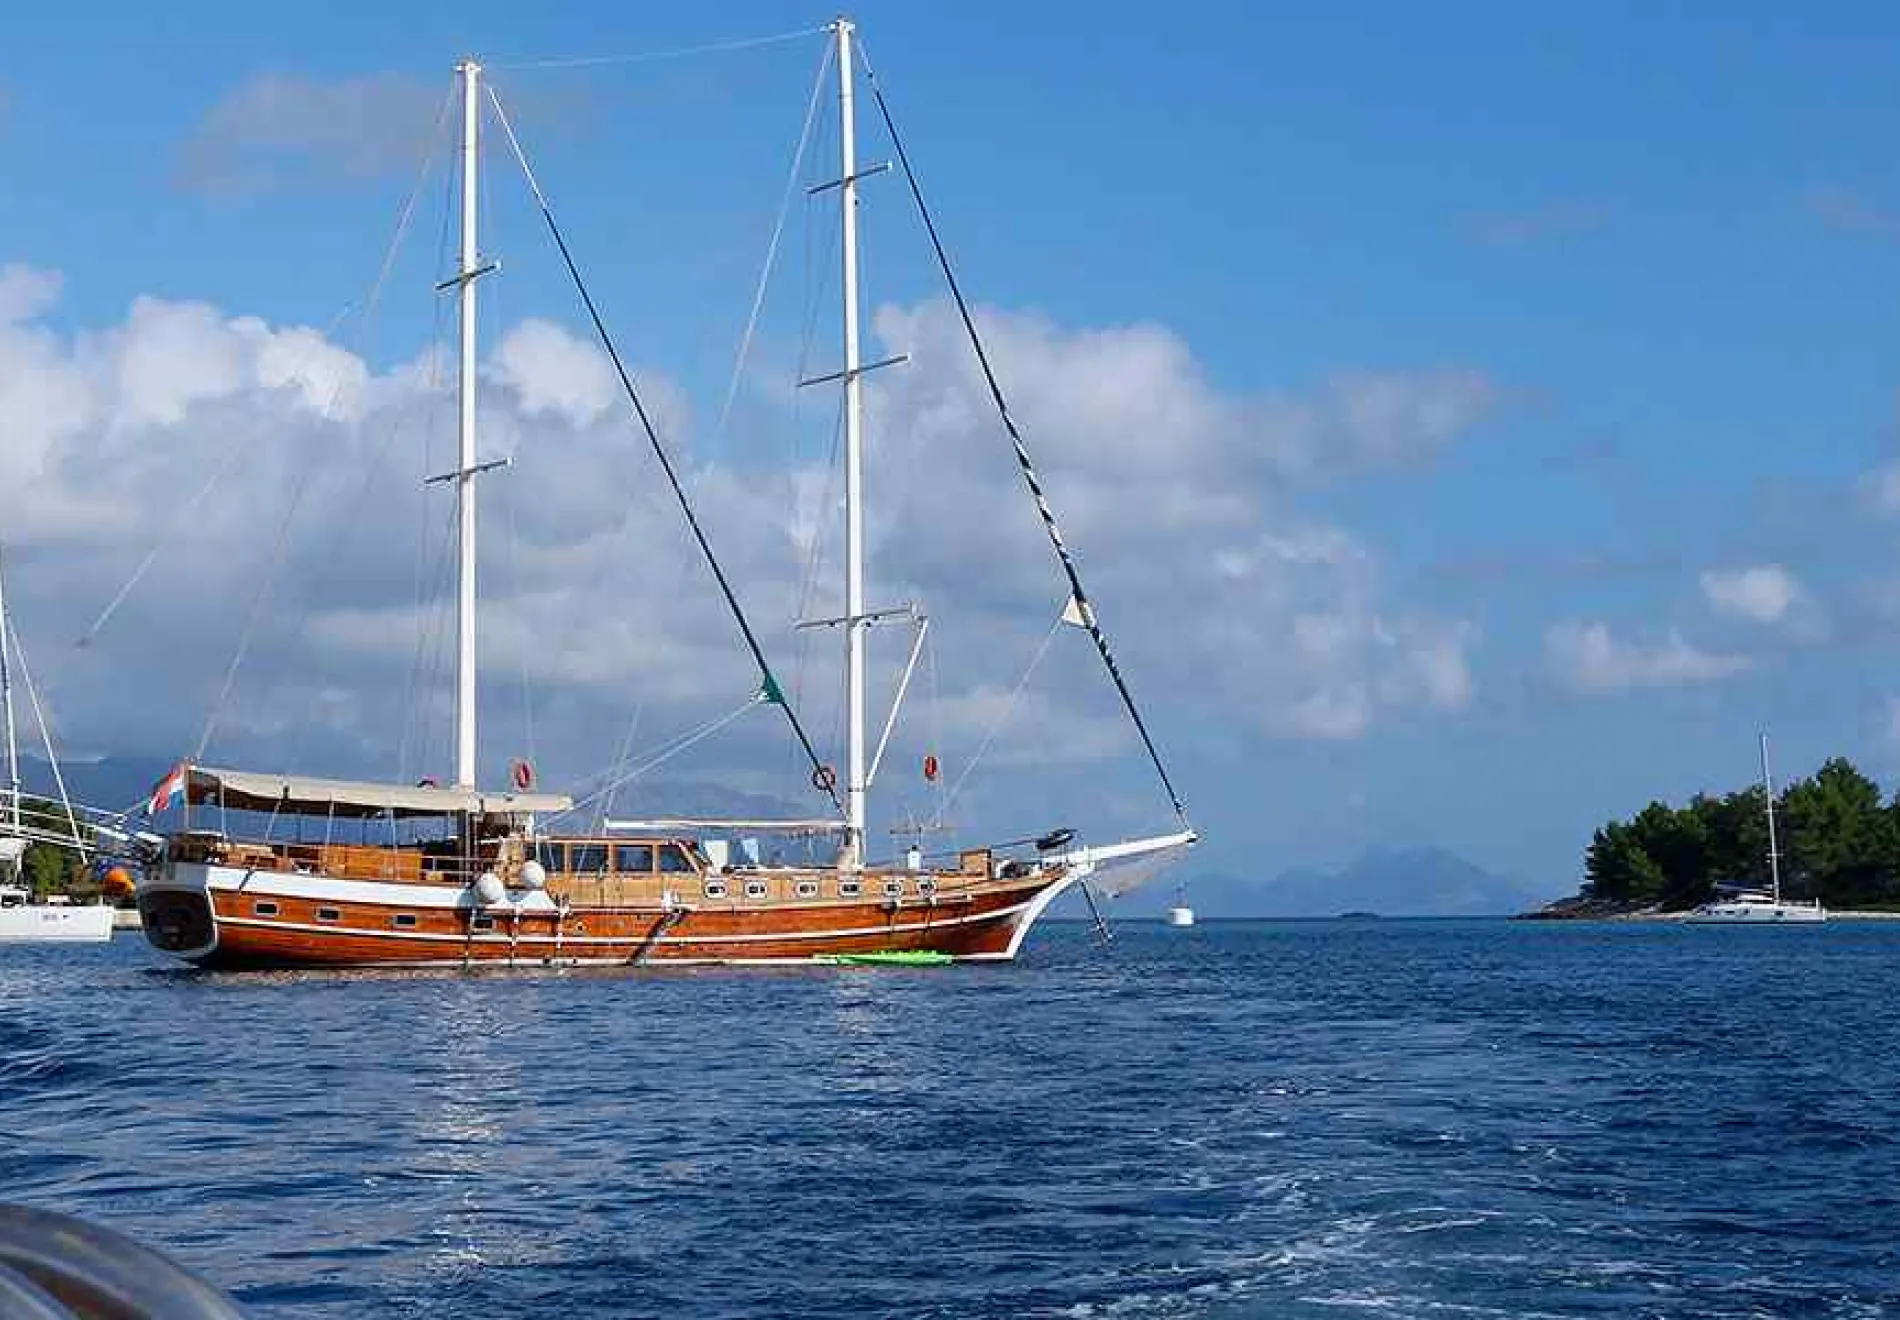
x,y
174,899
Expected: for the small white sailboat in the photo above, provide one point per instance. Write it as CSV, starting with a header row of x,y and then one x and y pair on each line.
x,y
22,919
1756,906
1180,914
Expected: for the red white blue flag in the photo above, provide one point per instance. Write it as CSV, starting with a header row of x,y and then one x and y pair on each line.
x,y
168,788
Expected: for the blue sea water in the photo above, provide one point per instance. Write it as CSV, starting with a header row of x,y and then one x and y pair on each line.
x,y
1249,1119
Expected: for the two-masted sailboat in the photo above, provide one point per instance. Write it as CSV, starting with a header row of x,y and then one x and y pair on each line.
x,y
463,876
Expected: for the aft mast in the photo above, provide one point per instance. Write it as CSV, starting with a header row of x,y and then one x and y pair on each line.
x,y
467,470
855,621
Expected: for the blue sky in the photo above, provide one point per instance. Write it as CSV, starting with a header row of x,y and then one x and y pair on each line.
x,y
1665,239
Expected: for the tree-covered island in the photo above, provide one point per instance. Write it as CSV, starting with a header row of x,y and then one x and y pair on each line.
x,y
1839,842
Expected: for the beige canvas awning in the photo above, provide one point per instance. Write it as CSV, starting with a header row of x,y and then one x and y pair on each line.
x,y
243,790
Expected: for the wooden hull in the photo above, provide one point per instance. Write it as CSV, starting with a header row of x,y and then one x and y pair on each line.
x,y
221,916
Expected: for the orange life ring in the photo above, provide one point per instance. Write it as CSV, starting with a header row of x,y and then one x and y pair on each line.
x,y
523,774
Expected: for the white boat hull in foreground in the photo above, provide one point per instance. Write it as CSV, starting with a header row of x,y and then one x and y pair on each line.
x,y
36,923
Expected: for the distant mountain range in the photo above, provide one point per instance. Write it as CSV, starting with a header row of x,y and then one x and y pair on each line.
x,y
1387,882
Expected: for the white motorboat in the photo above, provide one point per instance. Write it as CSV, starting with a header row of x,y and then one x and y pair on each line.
x,y
1180,914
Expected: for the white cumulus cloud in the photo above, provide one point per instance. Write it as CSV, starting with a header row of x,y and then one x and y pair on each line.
x,y
280,477
1764,593
1589,658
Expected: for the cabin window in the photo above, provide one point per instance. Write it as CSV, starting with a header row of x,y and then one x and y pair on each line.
x,y
405,919
551,855
715,889
806,889
926,884
674,861
755,889
893,888
586,858
328,914
264,908
482,923
850,888
636,858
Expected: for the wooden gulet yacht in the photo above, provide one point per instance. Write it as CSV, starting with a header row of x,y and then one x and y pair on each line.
x,y
460,876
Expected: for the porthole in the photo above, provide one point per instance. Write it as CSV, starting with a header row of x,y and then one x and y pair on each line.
x,y
405,919
806,889
755,889
850,888
482,923
264,908
893,888
715,889
328,914
927,884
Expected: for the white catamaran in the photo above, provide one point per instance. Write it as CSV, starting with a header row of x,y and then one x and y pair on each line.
x,y
1737,906
463,876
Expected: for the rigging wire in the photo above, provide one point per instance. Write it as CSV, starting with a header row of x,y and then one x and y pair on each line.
x,y
621,757
664,753
251,620
1083,609
650,56
238,446
46,732
426,660
432,645
769,687
1002,718
375,465
936,728
771,249
496,317
521,594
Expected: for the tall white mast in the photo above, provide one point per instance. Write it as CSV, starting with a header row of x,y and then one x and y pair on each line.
x,y
1774,853
855,622
6,706
465,474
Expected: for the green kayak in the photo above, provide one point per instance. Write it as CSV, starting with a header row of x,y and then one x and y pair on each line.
x,y
892,958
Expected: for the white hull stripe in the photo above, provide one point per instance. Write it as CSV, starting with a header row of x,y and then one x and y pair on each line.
x,y
504,939
290,884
